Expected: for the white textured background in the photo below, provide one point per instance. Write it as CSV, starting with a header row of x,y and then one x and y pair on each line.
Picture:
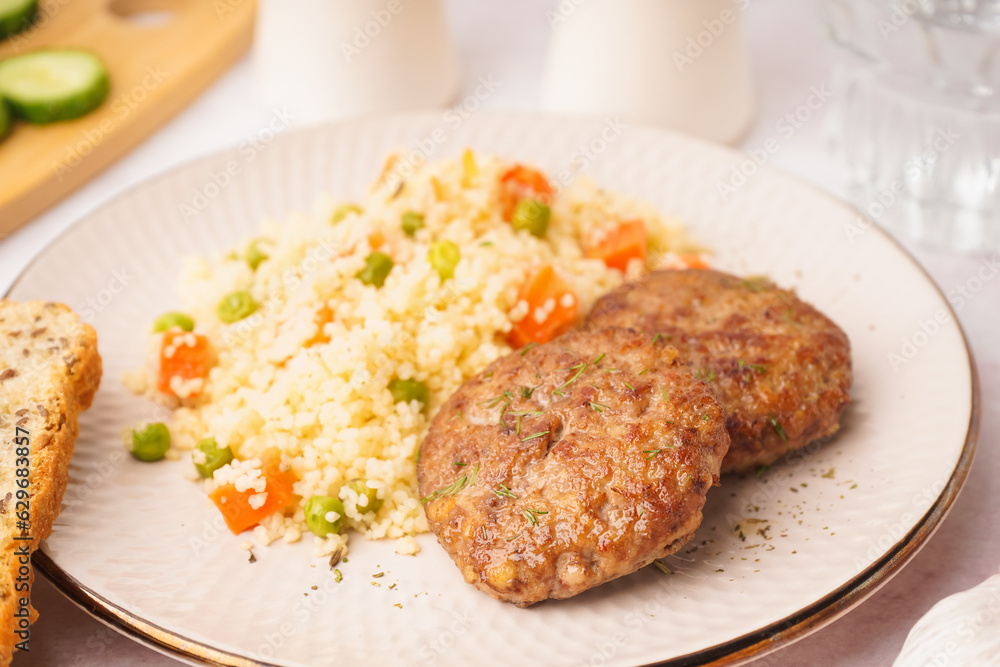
x,y
507,39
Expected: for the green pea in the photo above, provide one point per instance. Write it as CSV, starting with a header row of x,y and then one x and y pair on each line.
x,y
151,443
345,210
368,500
412,221
531,215
235,306
444,256
404,391
215,456
171,320
254,255
377,268
316,510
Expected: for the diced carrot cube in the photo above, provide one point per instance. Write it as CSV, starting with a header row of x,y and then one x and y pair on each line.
x,y
552,309
183,355
235,505
619,245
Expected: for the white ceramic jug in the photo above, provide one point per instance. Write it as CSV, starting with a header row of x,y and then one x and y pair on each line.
x,y
327,59
678,63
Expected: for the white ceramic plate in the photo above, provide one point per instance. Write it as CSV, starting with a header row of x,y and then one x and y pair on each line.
x,y
143,549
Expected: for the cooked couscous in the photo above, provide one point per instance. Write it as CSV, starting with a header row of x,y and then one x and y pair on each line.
x,y
306,365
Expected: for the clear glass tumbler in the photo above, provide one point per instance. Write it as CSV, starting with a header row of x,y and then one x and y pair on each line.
x,y
917,119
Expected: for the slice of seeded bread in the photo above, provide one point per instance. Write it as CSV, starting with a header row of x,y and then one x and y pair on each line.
x,y
49,371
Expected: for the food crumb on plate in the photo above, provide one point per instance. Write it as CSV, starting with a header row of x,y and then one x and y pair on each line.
x,y
407,546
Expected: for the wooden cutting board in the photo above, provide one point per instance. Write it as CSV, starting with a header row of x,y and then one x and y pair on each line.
x,y
159,53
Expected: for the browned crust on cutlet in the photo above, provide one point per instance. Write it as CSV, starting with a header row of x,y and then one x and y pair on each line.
x,y
781,369
610,476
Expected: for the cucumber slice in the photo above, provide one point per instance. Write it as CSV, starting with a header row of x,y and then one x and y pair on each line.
x,y
16,15
4,119
53,85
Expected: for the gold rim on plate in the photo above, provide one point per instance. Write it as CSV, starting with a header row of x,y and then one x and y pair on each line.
x,y
735,651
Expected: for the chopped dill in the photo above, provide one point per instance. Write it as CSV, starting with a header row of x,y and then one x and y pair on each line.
x,y
653,453
530,413
490,402
503,491
530,514
505,397
579,368
519,415
779,429
661,567
460,483
503,410
758,368
757,283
